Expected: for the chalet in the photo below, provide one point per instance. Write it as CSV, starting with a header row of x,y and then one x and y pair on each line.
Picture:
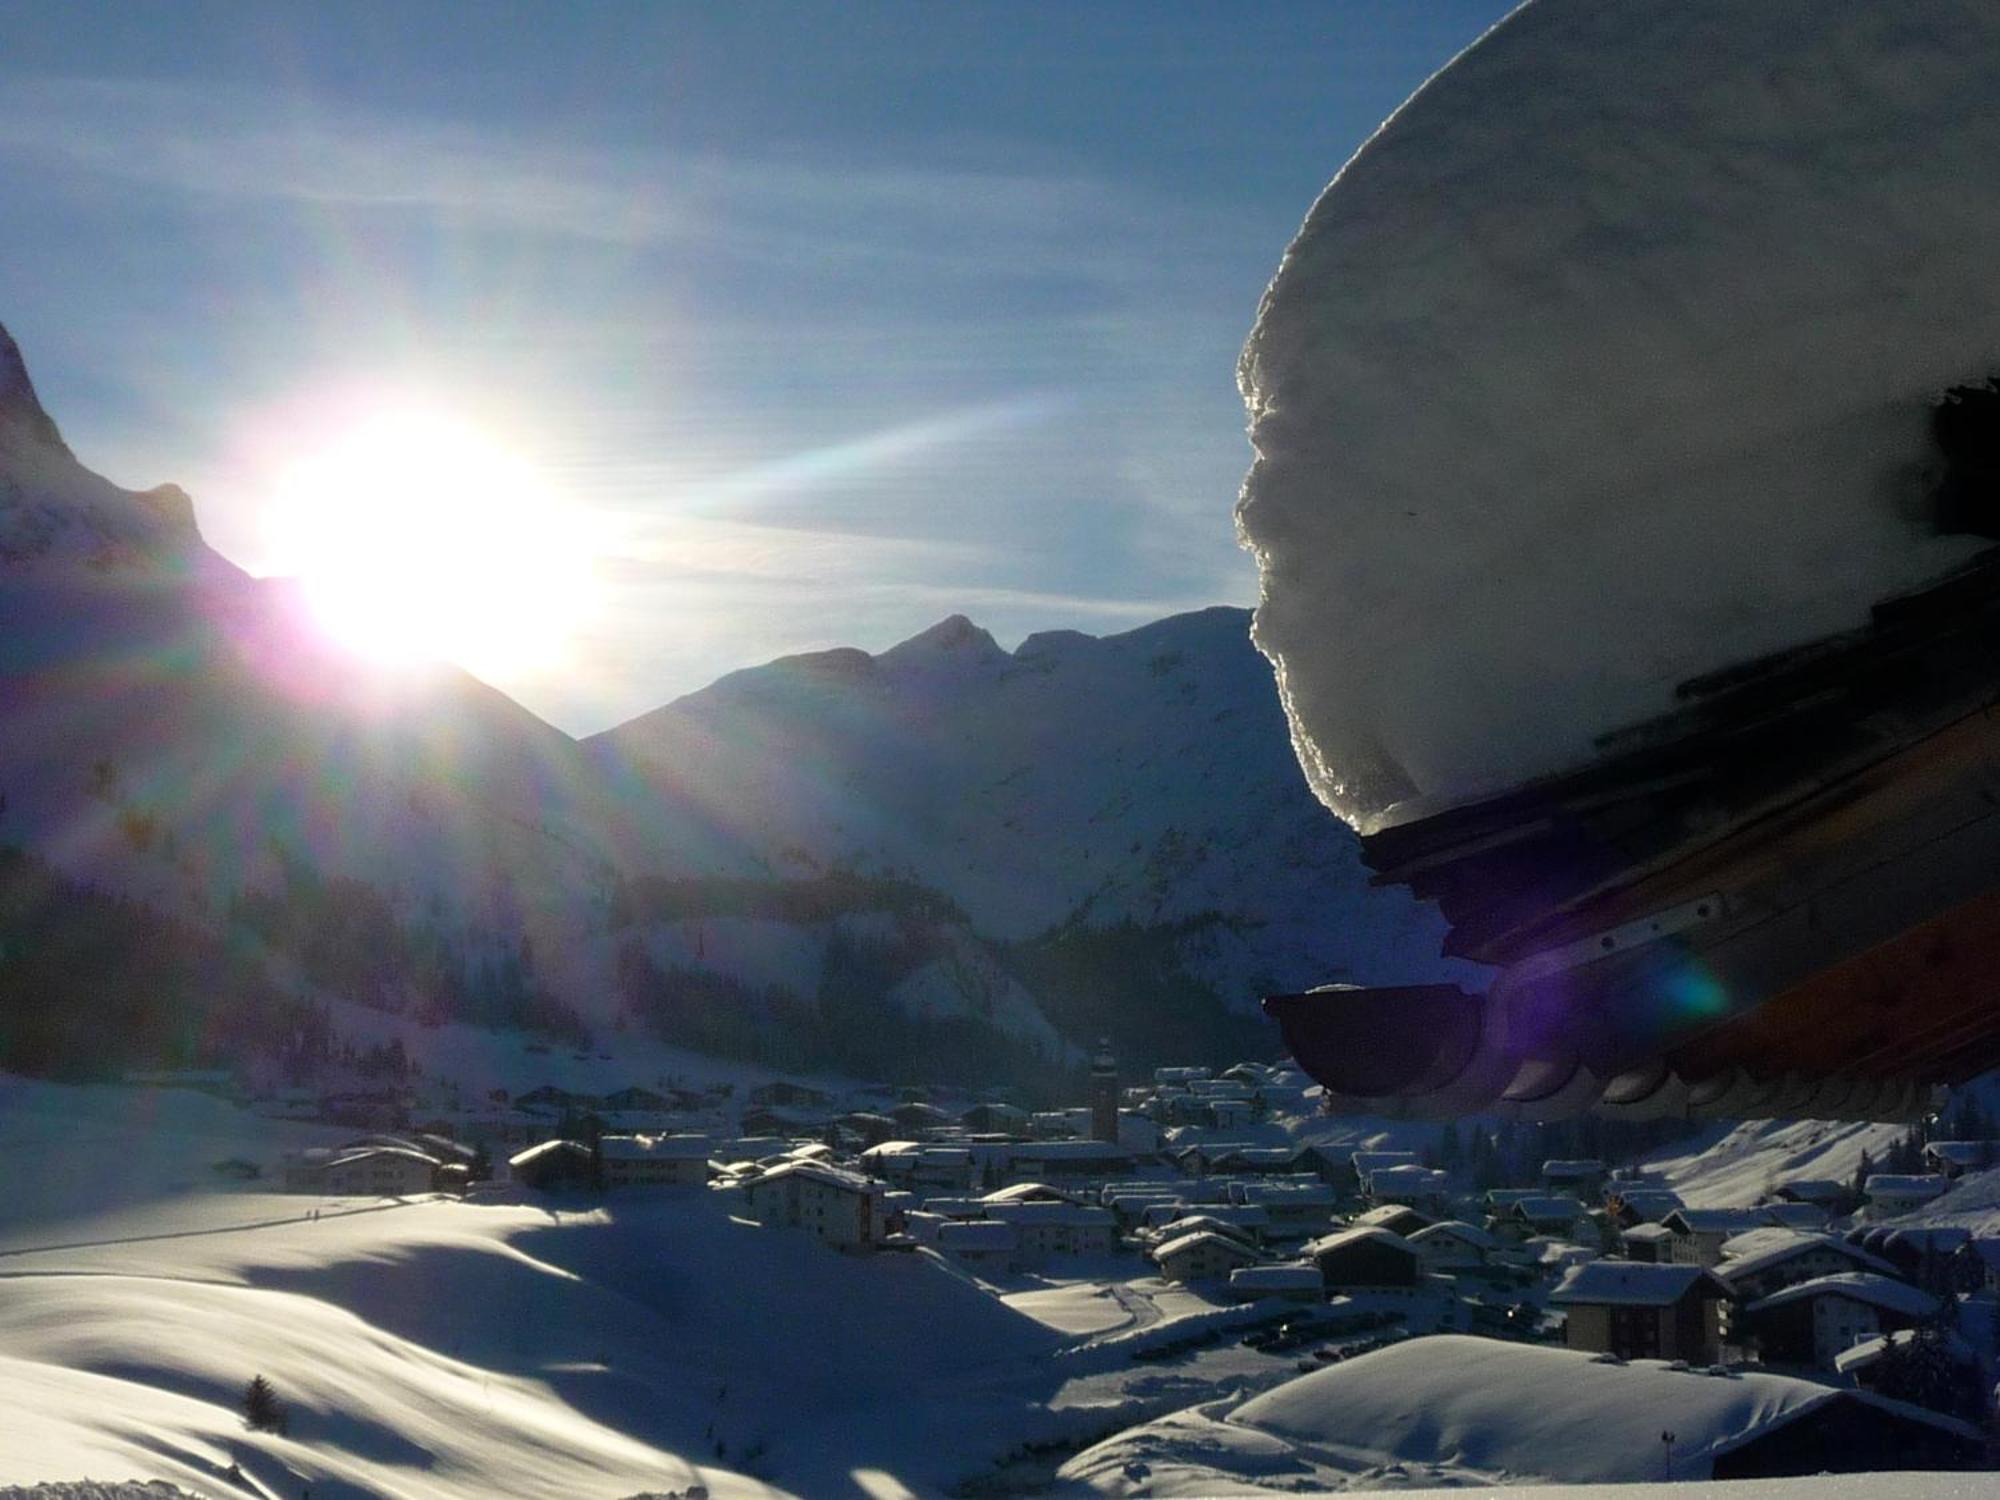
x,y
1202,1256
1805,1217
1890,1196
781,1094
1058,1228
1498,1200
868,1129
1978,1266
1581,1178
1046,1159
1056,1125
1366,1259
1926,1254
1290,1282
1331,1166
552,1165
1699,1233
654,1160
1292,1208
1648,1244
1627,1204
1642,1311
995,1119
1138,1134
781,1120
1553,1214
1366,1162
1788,1259
1953,1159
1834,1198
1031,1192
1397,1218
980,1243
1181,1076
366,1171
1453,1245
1250,1221
1860,1364
919,1117
838,1207
1814,1322
1412,1186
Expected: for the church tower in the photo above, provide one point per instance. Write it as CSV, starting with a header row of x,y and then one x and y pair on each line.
x,y
1104,1095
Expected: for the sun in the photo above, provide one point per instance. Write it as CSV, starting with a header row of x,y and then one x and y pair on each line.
x,y
417,536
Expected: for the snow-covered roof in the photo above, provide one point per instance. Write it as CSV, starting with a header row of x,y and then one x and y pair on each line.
x,y
1203,1238
1455,1229
1378,1161
1814,1189
541,1149
1647,1234
1626,1283
1965,1153
1388,1213
1328,1244
1573,1167
1769,1253
1884,1292
1906,1185
1724,1221
1864,1354
1458,456
823,1173
1030,1192
1549,1207
654,1147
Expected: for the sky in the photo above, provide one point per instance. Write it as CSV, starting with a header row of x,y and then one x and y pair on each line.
x,y
825,321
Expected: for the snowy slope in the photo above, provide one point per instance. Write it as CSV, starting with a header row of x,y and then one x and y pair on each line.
x,y
1607,362
438,1348
1142,778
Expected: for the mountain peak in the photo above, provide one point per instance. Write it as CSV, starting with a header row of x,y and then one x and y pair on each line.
x,y
954,637
20,407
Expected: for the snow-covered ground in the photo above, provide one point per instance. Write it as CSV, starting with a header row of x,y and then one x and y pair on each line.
x,y
1735,1165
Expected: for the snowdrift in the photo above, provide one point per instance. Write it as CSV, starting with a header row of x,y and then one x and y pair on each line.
x,y
1612,361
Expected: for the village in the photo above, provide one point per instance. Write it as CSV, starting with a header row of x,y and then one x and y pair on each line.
x,y
1207,1192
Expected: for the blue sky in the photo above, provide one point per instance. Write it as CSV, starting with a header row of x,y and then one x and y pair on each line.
x,y
840,318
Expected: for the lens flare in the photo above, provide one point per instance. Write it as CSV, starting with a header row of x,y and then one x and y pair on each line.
x,y
417,537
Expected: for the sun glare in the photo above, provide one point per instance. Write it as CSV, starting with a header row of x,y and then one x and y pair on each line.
x,y
418,537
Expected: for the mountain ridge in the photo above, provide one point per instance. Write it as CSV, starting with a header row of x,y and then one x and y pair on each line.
x,y
945,847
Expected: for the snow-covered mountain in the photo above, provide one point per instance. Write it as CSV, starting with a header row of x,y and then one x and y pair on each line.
x,y
1075,788
987,851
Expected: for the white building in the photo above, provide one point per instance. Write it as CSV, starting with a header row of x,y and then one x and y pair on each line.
x,y
1202,1256
1890,1196
1058,1228
364,1172
839,1207
654,1160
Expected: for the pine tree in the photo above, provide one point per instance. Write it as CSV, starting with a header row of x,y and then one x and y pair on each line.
x,y
1863,1170
262,1411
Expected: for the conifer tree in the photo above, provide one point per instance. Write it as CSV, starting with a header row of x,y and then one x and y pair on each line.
x,y
262,1411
